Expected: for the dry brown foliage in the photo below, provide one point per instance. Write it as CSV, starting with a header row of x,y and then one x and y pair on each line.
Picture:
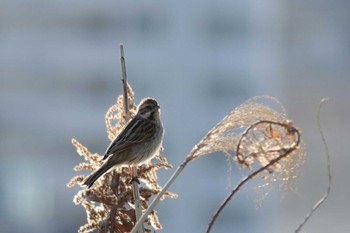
x,y
109,202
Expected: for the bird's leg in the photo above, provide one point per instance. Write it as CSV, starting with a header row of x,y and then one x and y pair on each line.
x,y
134,178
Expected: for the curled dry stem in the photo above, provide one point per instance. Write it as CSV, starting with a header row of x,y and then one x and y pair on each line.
x,y
283,152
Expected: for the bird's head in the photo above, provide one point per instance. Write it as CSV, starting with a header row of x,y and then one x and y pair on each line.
x,y
148,108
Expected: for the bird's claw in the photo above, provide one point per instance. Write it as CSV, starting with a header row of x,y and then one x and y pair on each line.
x,y
135,179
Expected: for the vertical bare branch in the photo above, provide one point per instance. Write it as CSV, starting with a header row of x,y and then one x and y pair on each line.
x,y
326,195
136,191
124,81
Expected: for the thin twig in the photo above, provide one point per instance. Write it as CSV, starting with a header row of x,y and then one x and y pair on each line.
x,y
112,216
124,81
136,191
324,198
249,177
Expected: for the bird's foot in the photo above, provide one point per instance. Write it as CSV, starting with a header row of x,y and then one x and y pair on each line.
x,y
135,179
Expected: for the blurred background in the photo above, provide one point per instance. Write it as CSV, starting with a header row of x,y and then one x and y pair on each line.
x,y
59,66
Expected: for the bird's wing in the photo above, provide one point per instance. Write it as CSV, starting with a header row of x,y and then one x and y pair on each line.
x,y
141,130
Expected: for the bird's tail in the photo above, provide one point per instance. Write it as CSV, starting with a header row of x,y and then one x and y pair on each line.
x,y
93,177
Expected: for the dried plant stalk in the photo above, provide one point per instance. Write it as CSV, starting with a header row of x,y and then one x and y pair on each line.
x,y
109,203
135,186
328,157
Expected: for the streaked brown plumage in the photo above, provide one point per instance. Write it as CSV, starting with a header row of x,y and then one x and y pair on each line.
x,y
137,143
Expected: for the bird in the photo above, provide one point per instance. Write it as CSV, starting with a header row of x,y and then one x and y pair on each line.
x,y
137,143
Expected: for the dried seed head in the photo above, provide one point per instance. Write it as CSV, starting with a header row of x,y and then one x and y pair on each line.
x,y
255,135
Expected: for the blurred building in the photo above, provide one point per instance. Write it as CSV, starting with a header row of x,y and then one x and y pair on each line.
x,y
60,72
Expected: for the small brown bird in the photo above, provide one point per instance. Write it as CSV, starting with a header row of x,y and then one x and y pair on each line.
x,y
137,143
